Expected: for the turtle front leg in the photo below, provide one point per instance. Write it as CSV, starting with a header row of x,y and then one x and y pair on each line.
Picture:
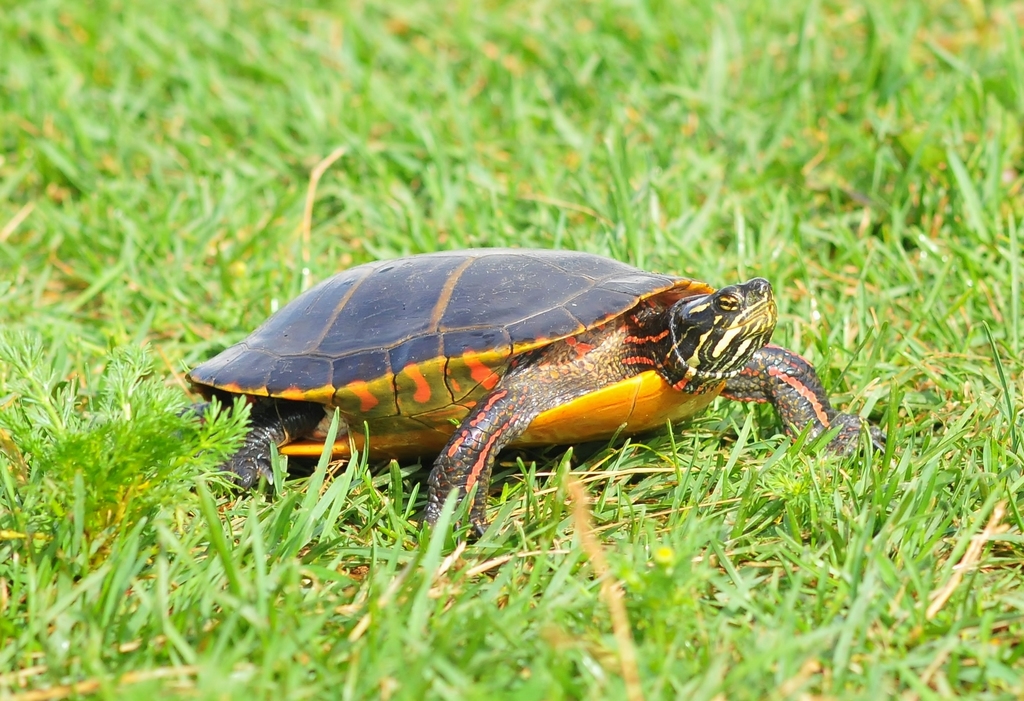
x,y
277,422
792,386
535,382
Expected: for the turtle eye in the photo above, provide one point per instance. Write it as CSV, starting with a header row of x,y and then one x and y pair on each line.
x,y
728,303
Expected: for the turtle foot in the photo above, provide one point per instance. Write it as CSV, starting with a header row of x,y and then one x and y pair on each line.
x,y
249,463
848,438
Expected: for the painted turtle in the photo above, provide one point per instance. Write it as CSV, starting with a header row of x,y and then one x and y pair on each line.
x,y
460,354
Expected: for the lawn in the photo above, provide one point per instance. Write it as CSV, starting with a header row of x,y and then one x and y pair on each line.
x,y
868,159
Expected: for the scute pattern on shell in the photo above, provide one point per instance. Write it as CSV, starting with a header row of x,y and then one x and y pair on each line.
x,y
372,321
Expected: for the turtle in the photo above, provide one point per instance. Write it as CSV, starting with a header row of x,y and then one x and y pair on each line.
x,y
460,354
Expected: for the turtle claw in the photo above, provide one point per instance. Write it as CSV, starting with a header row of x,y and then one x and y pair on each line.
x,y
248,464
878,438
434,504
478,525
848,438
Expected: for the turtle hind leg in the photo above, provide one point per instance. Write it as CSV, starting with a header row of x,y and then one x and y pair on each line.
x,y
791,385
273,421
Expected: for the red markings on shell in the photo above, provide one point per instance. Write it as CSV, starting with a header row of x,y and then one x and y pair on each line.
x,y
362,391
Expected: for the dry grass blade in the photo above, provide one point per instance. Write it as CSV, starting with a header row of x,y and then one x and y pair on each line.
x,y
969,560
20,216
19,676
385,598
611,590
487,565
571,206
91,686
307,213
173,372
451,559
364,623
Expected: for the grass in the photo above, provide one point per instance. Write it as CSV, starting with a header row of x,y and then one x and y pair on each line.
x,y
867,159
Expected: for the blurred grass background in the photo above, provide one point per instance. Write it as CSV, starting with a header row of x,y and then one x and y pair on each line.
x,y
866,158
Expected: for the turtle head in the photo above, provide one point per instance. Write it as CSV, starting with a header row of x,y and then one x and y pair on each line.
x,y
714,336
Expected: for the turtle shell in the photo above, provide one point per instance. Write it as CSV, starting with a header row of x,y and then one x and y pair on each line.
x,y
415,341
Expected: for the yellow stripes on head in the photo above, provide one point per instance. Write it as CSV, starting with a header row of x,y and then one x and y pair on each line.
x,y
725,341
